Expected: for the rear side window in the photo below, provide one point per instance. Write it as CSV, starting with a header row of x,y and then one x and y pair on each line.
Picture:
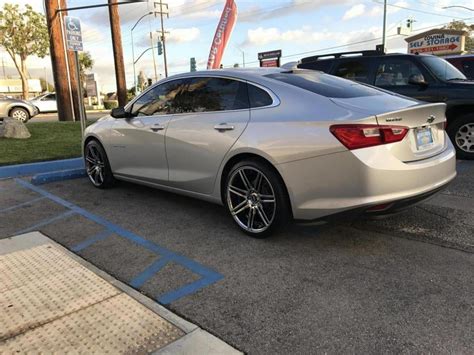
x,y
357,70
213,94
258,97
324,85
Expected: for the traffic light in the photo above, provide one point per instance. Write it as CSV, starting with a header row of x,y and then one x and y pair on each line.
x,y
160,48
193,64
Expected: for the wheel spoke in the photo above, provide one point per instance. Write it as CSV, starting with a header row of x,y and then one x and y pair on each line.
x,y
268,200
237,191
101,176
90,160
250,218
240,207
258,182
246,182
263,216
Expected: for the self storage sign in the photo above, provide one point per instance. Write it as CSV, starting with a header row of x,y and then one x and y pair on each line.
x,y
437,44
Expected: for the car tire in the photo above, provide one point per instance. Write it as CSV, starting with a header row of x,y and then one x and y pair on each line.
x,y
461,132
20,114
97,165
250,188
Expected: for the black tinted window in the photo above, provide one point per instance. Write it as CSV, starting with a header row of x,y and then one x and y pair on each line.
x,y
468,69
325,85
357,70
397,72
159,100
213,94
321,65
258,97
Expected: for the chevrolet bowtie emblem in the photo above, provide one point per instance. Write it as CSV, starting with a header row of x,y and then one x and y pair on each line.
x,y
431,119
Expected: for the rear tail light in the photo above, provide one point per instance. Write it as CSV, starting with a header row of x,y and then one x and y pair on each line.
x,y
355,136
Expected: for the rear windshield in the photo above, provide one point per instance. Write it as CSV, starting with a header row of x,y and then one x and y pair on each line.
x,y
325,85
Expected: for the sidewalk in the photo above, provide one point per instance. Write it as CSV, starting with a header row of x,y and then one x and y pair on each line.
x,y
52,301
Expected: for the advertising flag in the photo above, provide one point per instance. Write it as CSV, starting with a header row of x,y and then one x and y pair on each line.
x,y
223,32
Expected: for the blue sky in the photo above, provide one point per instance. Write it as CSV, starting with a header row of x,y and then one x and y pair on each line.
x,y
295,26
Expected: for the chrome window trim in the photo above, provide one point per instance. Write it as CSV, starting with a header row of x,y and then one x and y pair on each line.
x,y
275,99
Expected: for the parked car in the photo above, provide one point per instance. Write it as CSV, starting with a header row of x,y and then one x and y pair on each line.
x,y
423,77
465,63
18,109
272,145
45,102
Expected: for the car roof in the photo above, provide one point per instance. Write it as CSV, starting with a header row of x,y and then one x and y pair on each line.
x,y
460,56
243,73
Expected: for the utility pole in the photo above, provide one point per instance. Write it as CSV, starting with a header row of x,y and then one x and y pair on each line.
x,y
118,52
3,66
163,32
58,60
384,30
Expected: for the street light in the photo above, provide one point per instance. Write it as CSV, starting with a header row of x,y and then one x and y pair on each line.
x,y
243,56
133,50
460,6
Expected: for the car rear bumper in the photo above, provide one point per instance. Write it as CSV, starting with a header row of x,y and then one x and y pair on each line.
x,y
362,179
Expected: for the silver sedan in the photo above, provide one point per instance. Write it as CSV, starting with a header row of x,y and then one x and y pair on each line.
x,y
274,145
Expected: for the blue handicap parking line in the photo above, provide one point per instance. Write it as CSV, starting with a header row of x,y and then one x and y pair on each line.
x,y
11,171
87,243
46,222
23,204
208,276
148,273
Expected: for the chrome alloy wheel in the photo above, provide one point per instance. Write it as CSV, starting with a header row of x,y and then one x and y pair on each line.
x,y
20,115
95,165
465,137
251,199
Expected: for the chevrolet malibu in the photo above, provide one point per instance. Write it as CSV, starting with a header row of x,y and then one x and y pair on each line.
x,y
273,145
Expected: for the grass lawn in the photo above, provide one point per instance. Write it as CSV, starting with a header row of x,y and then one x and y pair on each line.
x,y
49,141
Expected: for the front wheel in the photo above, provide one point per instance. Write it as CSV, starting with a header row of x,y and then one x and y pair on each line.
x,y
461,132
256,198
97,165
20,114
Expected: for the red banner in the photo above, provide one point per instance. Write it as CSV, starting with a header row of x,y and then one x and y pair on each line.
x,y
223,32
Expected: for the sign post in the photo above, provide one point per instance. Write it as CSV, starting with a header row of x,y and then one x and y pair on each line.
x,y
74,43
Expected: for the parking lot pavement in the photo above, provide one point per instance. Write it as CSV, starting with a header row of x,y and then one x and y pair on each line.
x,y
347,287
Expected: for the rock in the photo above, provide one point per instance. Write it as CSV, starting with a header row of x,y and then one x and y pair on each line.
x,y
12,128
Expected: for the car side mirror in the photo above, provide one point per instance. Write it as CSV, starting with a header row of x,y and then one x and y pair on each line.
x,y
120,112
417,80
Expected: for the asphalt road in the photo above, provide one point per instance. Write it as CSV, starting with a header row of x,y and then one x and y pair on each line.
x,y
53,117
402,284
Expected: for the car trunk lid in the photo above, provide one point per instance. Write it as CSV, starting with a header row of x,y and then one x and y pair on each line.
x,y
426,136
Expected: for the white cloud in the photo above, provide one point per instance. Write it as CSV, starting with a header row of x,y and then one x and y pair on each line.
x,y
261,36
354,11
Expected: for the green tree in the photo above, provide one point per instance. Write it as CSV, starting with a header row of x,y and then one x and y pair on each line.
x,y
462,26
22,34
85,62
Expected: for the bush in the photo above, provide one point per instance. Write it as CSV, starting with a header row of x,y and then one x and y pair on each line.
x,y
110,104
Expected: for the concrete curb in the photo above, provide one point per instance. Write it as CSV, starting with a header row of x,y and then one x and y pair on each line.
x,y
11,171
44,178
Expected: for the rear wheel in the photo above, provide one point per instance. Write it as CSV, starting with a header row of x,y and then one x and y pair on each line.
x,y
256,198
461,132
97,165
20,114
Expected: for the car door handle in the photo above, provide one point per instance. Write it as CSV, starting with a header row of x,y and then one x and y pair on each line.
x,y
157,127
223,127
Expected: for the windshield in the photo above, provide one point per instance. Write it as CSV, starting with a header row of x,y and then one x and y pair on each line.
x,y
443,69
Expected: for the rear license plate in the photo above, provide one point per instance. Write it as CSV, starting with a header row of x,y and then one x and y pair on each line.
x,y
424,138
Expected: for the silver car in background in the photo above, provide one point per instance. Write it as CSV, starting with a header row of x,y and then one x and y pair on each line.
x,y
18,109
274,145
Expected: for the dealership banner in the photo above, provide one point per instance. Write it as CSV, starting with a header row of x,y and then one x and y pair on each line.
x,y
223,32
